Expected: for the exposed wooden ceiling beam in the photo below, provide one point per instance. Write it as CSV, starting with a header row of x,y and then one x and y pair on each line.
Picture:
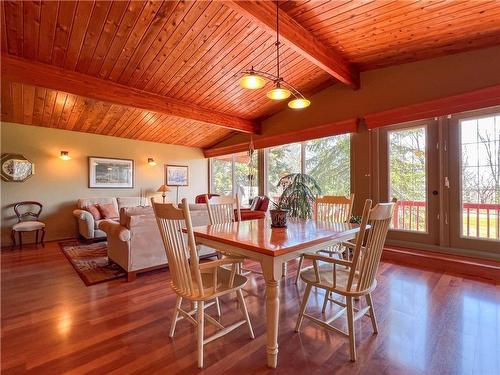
x,y
299,39
52,77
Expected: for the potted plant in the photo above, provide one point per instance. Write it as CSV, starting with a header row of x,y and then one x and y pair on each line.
x,y
299,192
278,215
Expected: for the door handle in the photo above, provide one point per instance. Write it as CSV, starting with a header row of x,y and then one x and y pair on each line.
x,y
446,183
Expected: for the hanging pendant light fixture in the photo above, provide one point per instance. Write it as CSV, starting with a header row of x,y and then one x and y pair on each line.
x,y
256,79
252,80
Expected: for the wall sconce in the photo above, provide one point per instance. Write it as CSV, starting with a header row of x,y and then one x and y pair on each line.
x,y
151,162
64,155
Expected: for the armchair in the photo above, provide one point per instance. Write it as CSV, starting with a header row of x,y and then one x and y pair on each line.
x,y
353,278
257,210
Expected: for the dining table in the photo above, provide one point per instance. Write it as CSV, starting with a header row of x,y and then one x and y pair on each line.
x,y
272,248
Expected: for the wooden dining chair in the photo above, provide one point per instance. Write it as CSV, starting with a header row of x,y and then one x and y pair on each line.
x,y
350,279
336,209
28,214
194,281
223,210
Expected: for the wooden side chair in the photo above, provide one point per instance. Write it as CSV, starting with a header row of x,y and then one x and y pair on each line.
x,y
350,279
223,209
337,209
194,281
28,213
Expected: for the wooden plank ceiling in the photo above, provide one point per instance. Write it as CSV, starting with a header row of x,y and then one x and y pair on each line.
x,y
191,51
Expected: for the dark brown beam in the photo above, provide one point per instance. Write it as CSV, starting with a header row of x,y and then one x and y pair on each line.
x,y
48,76
299,39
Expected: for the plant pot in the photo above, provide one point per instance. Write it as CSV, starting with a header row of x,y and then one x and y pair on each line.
x,y
278,218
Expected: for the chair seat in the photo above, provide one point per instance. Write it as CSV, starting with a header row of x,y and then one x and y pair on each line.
x,y
326,273
223,276
28,226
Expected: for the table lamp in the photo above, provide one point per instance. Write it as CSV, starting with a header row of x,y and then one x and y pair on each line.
x,y
163,189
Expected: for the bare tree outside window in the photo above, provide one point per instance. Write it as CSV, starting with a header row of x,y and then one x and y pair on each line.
x,y
480,182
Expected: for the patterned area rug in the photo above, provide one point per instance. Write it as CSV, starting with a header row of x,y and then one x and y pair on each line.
x,y
91,262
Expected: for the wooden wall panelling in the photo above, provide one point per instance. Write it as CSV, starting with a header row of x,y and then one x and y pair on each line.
x,y
241,31
124,45
115,37
72,82
83,15
31,22
199,17
65,19
71,101
48,16
165,26
28,104
228,27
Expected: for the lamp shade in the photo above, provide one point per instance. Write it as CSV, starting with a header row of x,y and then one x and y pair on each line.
x,y
64,155
252,81
278,93
163,189
299,103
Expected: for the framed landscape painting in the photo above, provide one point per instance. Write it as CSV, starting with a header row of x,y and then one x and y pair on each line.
x,y
111,173
177,175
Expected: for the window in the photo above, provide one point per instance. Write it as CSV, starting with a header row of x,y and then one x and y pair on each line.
x,y
325,159
235,175
480,177
328,161
408,178
245,177
281,161
222,175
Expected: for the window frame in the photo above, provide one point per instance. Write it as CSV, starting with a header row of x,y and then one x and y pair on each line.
x,y
303,147
211,188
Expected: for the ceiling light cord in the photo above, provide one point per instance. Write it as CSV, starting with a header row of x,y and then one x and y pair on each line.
x,y
255,79
278,41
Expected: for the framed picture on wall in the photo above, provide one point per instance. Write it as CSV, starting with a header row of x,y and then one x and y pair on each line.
x,y
176,175
111,173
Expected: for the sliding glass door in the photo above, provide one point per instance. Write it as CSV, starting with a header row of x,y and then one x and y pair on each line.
x,y
474,160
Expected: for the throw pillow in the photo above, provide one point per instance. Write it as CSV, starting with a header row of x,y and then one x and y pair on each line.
x,y
94,211
108,211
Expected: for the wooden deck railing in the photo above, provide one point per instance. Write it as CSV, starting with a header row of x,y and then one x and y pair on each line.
x,y
479,219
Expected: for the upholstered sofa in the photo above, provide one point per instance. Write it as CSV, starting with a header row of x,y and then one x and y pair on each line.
x,y
88,227
135,242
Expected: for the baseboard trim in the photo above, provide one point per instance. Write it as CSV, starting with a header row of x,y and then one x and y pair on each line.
x,y
483,269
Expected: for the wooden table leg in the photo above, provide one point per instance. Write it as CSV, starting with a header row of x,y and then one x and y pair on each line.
x,y
272,274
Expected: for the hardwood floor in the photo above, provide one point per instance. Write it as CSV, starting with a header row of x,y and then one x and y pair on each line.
x,y
429,322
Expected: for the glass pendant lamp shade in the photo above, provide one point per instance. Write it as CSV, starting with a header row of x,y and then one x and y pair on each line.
x,y
278,93
299,103
252,81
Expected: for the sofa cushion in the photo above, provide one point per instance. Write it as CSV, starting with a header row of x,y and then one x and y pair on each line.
x,y
126,212
108,211
94,211
85,202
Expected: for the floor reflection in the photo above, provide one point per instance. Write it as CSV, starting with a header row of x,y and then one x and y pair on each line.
x,y
407,322
480,336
